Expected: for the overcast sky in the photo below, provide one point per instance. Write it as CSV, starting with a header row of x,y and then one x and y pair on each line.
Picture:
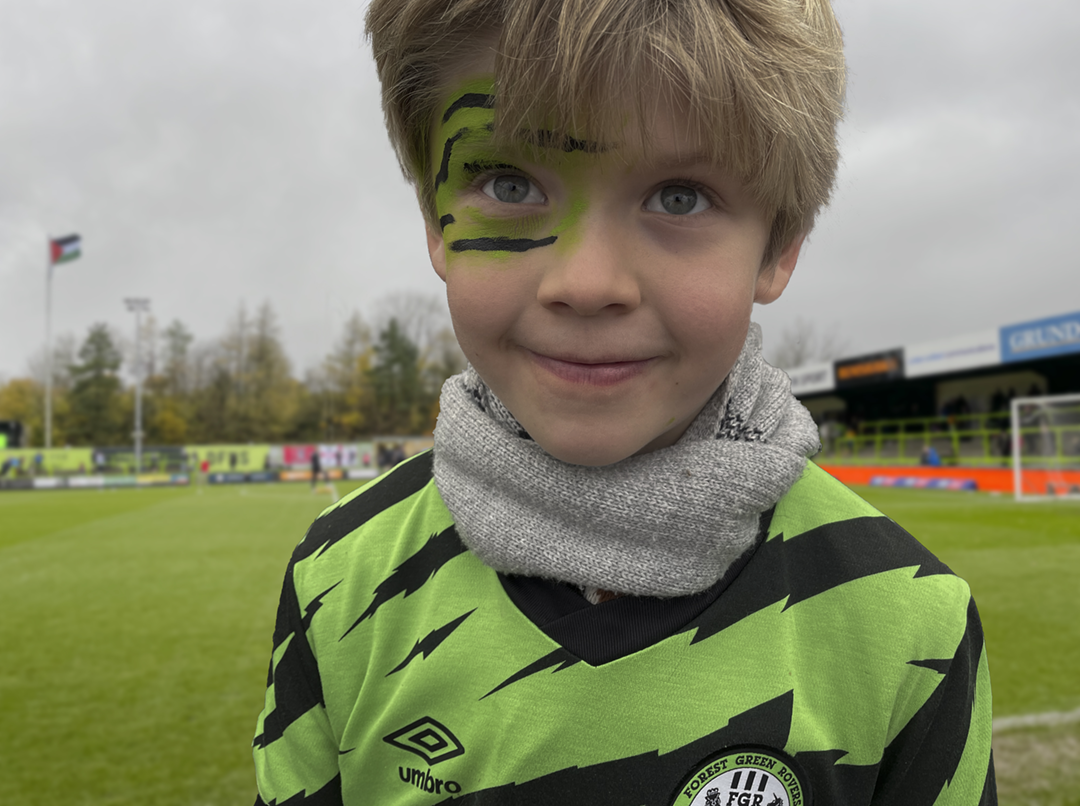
x,y
219,152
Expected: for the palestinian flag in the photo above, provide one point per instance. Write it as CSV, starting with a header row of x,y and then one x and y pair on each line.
x,y
64,249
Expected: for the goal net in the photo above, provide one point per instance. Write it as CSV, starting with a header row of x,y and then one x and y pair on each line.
x,y
1046,447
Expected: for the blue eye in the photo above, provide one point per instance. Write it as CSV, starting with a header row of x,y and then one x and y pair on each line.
x,y
677,200
512,189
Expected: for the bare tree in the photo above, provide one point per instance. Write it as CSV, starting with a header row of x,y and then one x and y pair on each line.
x,y
443,357
65,348
803,343
245,388
148,348
177,364
344,367
419,316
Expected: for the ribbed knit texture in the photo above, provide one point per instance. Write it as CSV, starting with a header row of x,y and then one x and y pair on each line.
x,y
666,523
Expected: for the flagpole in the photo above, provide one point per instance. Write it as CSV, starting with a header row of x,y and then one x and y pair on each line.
x,y
138,305
61,250
48,347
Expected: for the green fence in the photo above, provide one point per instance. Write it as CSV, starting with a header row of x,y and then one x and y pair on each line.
x,y
963,439
45,461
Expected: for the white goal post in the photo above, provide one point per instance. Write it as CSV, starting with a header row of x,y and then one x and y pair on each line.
x,y
1046,447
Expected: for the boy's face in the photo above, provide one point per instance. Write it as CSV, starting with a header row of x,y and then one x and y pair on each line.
x,y
603,295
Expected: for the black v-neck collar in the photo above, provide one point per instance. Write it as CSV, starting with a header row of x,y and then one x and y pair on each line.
x,y
616,628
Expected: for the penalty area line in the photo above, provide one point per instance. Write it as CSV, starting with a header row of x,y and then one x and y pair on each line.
x,y
1005,723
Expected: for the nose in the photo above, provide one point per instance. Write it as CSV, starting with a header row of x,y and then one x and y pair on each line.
x,y
593,275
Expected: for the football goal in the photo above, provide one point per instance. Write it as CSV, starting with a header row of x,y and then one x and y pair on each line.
x,y
1046,447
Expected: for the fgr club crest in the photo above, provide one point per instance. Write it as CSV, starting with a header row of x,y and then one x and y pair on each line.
x,y
745,776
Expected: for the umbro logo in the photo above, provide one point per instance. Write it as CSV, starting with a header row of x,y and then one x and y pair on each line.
x,y
429,739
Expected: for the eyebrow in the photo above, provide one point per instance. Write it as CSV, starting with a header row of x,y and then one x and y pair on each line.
x,y
698,158
479,166
678,161
545,138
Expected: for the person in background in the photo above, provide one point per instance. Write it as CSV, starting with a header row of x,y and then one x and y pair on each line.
x,y
316,467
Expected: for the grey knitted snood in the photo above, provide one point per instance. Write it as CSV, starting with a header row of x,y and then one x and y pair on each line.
x,y
666,523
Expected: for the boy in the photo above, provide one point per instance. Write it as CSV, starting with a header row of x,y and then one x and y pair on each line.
x,y
616,579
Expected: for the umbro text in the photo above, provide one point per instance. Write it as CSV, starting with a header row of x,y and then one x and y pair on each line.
x,y
423,779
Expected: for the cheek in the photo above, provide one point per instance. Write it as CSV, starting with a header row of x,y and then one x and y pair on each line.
x,y
707,312
486,298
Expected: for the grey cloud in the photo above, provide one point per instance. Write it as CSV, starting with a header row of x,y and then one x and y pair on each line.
x,y
214,151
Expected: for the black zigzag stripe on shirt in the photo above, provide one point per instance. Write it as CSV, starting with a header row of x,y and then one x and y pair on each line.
x,y
402,482
652,778
329,795
560,658
814,562
296,680
430,642
989,793
924,757
415,571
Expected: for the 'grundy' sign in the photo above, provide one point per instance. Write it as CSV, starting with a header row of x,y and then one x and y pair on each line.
x,y
1042,338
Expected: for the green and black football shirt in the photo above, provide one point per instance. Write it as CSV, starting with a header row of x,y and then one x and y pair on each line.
x,y
839,662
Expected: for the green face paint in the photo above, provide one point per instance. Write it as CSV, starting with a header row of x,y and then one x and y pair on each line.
x,y
465,154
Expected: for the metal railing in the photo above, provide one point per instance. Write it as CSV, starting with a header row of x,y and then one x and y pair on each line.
x,y
982,439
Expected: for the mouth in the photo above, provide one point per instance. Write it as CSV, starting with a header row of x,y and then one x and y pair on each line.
x,y
588,372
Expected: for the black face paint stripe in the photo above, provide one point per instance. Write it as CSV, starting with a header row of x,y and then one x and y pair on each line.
x,y
444,169
564,142
500,244
445,221
470,100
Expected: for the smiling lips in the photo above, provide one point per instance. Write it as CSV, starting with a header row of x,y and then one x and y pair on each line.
x,y
599,373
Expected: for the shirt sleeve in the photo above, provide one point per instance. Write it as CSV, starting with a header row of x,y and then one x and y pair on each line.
x,y
295,750
943,756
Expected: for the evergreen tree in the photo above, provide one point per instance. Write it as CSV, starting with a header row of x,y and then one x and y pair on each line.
x,y
401,407
176,364
96,403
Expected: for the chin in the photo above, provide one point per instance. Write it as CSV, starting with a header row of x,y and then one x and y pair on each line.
x,y
582,453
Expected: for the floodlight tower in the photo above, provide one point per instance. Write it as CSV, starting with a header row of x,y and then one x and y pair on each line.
x,y
138,305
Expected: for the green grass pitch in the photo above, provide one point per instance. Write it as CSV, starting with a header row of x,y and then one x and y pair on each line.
x,y
136,634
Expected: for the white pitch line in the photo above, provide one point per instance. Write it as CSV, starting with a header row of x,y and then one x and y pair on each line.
x,y
272,497
1036,720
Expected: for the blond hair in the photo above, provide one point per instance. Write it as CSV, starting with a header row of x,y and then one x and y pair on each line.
x,y
762,80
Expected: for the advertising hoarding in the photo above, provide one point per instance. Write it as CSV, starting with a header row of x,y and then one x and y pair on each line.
x,y
86,481
981,349
330,454
874,368
229,458
812,379
1042,338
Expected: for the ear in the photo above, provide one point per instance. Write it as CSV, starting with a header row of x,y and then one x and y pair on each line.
x,y
773,280
436,247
